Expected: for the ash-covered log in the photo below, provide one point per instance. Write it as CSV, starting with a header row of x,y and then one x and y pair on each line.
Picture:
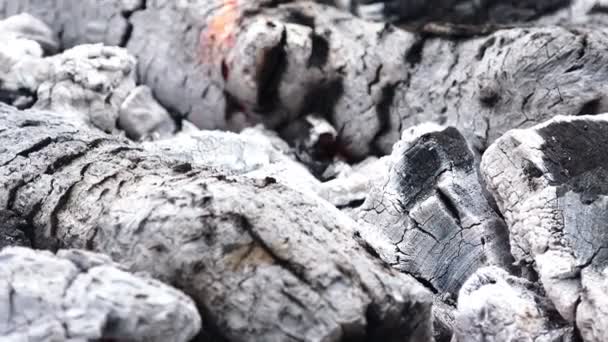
x,y
255,225
262,261
550,183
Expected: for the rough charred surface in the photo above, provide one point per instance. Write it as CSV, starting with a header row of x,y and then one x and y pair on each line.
x,y
89,82
550,184
262,261
361,63
96,84
272,62
432,209
512,78
166,39
80,21
14,230
375,79
428,216
80,296
277,65
494,306
382,79
457,11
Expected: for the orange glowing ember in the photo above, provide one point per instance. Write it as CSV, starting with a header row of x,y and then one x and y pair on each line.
x,y
219,36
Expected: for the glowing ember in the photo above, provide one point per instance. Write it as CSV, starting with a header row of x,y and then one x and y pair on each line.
x,y
219,35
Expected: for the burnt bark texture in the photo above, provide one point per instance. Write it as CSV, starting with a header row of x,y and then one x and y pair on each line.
x,y
550,183
429,216
272,62
248,225
432,209
262,261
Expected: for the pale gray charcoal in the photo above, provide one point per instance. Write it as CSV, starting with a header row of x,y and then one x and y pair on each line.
x,y
50,297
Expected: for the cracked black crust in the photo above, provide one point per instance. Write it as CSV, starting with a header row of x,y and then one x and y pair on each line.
x,y
572,151
435,213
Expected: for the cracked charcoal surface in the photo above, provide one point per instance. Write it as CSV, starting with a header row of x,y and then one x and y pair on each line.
x,y
552,177
75,296
429,216
432,208
380,91
287,262
375,78
342,196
